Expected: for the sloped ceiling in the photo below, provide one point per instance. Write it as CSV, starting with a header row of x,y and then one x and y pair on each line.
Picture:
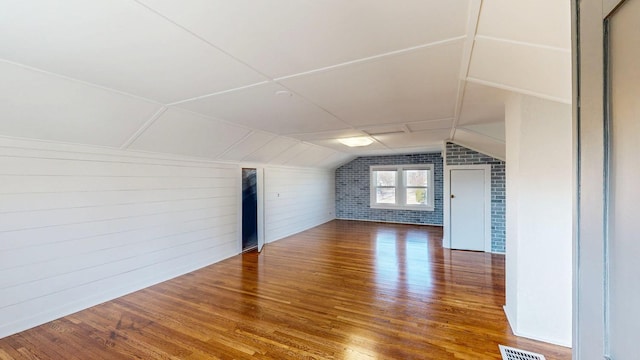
x,y
277,81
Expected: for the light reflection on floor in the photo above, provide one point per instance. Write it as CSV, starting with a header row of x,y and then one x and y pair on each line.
x,y
402,261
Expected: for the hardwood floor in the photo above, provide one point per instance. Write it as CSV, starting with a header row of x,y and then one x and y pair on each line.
x,y
343,290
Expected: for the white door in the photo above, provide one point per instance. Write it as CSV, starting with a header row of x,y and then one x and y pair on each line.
x,y
606,265
467,209
623,244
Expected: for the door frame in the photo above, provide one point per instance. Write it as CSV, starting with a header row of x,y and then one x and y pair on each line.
x,y
446,240
590,334
260,197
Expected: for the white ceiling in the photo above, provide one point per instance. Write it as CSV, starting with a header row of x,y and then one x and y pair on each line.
x,y
279,81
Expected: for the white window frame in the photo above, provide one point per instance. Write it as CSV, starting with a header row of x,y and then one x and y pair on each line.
x,y
401,187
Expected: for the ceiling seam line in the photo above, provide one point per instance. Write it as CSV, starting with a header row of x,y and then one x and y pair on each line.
x,y
322,108
258,149
519,90
277,80
317,163
378,141
298,154
471,147
235,58
245,137
222,92
245,127
282,152
524,43
374,57
466,129
83,82
184,28
465,63
248,128
144,127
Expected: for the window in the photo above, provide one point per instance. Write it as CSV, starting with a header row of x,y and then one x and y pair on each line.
x,y
408,187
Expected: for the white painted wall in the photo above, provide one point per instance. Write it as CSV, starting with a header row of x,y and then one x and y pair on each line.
x,y
512,165
82,225
539,218
297,199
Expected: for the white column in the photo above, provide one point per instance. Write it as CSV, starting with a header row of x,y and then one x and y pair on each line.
x,y
539,219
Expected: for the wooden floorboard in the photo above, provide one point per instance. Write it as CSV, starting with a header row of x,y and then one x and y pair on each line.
x,y
343,290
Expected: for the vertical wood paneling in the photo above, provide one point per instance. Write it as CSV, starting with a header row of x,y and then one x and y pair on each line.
x,y
296,200
82,225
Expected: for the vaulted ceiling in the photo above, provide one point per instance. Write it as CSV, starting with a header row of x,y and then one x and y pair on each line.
x,y
277,81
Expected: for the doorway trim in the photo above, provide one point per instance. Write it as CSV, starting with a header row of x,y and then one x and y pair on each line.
x,y
446,241
589,242
260,194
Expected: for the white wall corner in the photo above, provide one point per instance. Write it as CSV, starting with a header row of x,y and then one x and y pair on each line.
x,y
539,235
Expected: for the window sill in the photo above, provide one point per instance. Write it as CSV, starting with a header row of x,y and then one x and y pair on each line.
x,y
398,207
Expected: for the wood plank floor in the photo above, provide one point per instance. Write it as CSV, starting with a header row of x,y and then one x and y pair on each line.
x,y
343,290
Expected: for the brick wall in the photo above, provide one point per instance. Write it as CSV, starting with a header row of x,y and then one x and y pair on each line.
x,y
353,185
459,155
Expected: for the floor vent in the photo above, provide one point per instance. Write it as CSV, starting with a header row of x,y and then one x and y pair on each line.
x,y
509,353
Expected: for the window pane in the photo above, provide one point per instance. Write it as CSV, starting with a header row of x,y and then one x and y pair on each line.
x,y
386,195
416,196
385,178
417,177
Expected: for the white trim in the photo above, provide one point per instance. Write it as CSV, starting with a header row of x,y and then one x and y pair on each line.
x,y
519,90
179,102
609,6
83,82
524,43
401,186
388,222
465,63
260,186
144,127
471,147
239,209
298,232
57,311
446,240
525,335
374,57
509,319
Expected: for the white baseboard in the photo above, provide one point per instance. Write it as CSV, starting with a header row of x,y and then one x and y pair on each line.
x,y
53,313
533,337
389,222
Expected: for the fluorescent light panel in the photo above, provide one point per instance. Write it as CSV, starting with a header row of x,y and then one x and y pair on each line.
x,y
356,141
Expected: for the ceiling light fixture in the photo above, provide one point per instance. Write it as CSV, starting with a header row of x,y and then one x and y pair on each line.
x,y
356,141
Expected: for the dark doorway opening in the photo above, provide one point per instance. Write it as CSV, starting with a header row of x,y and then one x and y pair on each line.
x,y
249,210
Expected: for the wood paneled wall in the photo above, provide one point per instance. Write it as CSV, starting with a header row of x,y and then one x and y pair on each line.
x,y
297,199
81,225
